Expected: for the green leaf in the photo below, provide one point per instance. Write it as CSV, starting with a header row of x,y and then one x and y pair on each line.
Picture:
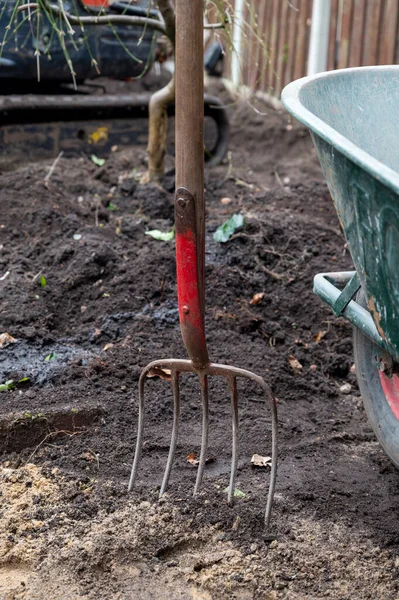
x,y
97,161
7,386
50,356
224,232
112,207
23,380
43,281
237,493
163,236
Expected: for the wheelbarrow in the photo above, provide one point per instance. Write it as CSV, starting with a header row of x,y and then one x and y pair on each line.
x,y
353,118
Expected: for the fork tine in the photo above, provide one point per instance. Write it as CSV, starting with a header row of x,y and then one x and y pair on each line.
x,y
234,459
175,430
137,454
205,429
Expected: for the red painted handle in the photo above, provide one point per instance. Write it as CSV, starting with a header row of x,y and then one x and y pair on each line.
x,y
189,285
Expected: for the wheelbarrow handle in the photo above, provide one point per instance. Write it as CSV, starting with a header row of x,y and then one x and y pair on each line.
x,y
188,279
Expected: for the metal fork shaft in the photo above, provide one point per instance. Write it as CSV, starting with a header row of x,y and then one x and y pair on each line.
x,y
175,430
234,458
205,430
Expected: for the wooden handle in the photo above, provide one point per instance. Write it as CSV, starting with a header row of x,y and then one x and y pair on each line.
x,y
189,75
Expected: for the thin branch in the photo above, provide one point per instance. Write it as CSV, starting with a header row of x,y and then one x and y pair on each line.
x,y
51,170
97,20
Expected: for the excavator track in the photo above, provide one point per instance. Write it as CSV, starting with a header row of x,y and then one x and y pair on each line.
x,y
36,126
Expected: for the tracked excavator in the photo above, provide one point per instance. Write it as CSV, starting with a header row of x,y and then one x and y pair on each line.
x,y
52,97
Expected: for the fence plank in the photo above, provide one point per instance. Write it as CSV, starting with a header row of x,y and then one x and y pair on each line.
x,y
332,39
343,56
252,45
301,57
371,33
291,44
260,42
388,33
282,47
357,34
273,44
266,55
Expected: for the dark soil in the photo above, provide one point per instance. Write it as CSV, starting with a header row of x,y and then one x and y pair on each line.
x,y
90,300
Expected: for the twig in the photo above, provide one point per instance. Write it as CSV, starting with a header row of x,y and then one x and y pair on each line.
x,y
96,211
52,433
52,168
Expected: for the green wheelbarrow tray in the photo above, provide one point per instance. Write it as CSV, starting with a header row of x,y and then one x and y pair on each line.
x,y
353,117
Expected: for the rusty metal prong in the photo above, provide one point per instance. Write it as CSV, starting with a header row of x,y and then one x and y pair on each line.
x,y
175,430
234,460
140,428
205,429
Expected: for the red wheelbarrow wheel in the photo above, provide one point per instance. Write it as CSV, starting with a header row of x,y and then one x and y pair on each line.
x,y
380,393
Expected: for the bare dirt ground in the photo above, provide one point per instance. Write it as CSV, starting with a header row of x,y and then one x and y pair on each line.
x,y
68,528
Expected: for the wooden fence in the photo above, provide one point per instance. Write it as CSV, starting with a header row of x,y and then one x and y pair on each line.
x,y
276,37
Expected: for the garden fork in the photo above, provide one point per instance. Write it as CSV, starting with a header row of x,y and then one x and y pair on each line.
x,y
190,253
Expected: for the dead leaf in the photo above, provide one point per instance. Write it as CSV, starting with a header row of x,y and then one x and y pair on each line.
x,y
107,347
257,298
5,339
295,364
261,461
159,372
319,336
195,461
226,200
191,459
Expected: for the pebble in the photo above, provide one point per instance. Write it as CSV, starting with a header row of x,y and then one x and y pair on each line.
x,y
346,388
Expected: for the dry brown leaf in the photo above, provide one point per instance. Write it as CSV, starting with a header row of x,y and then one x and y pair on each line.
x,y
162,373
5,339
295,364
257,298
191,459
195,461
261,461
319,336
108,346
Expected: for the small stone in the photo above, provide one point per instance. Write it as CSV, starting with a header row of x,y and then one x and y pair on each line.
x,y
273,544
226,200
353,369
346,388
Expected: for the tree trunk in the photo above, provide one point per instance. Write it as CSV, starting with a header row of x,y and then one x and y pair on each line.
x,y
158,109
157,130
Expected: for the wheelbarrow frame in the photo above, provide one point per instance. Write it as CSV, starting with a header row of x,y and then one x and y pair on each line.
x,y
354,174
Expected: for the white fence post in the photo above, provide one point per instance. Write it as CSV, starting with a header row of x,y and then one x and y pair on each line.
x,y
236,59
318,49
